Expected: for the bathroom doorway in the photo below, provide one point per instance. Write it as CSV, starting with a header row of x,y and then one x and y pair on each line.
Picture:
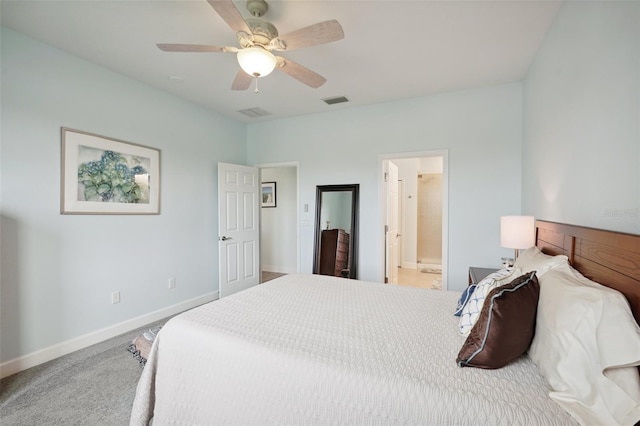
x,y
421,212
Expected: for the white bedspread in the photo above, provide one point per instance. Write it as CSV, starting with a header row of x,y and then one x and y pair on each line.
x,y
309,349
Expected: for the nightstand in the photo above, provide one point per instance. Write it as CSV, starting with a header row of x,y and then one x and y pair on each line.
x,y
476,274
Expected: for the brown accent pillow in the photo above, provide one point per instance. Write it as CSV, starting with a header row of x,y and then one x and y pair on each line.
x,y
505,327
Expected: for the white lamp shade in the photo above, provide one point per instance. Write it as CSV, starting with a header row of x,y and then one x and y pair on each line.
x,y
256,61
517,232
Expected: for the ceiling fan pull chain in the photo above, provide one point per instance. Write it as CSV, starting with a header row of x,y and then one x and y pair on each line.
x,y
256,91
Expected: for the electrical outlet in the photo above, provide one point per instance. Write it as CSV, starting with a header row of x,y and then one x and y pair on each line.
x,y
172,283
115,297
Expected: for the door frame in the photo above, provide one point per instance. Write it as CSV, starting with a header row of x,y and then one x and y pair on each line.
x,y
295,164
392,207
444,153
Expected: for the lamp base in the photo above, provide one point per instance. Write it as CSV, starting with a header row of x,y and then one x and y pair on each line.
x,y
507,262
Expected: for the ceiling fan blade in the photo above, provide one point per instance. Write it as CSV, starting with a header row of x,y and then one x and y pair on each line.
x,y
230,14
193,48
300,73
320,33
242,81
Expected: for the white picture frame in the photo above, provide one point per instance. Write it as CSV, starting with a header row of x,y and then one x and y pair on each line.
x,y
101,175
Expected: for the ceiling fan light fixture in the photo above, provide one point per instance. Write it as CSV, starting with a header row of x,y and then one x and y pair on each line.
x,y
256,61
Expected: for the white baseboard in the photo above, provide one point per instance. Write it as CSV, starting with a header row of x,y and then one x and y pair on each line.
x,y
52,352
409,265
279,269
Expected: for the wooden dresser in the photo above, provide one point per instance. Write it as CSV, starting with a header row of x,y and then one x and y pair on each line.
x,y
334,252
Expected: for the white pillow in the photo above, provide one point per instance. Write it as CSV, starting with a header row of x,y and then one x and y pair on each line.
x,y
587,346
532,259
472,308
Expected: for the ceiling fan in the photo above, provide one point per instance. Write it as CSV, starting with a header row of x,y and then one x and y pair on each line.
x,y
258,38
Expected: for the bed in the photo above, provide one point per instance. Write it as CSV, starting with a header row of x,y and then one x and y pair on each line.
x,y
310,349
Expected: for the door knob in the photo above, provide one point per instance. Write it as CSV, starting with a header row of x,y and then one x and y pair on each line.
x,y
223,238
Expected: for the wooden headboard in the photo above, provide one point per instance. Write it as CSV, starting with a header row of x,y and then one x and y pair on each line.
x,y
607,257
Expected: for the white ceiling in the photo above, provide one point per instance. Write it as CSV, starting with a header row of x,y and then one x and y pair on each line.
x,y
393,49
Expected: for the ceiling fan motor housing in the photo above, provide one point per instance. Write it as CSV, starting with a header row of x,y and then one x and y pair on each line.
x,y
263,32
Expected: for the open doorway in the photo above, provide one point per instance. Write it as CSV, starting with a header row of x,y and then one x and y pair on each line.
x,y
415,246
279,254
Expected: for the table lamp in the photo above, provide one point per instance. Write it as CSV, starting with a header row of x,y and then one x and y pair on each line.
x,y
517,232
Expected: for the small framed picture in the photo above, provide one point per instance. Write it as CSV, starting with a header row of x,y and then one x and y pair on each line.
x,y
101,175
268,194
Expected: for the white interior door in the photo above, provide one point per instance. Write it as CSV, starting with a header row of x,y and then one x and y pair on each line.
x,y
391,228
238,227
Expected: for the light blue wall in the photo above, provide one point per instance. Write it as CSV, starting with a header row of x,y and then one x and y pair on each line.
x,y
481,128
581,151
58,271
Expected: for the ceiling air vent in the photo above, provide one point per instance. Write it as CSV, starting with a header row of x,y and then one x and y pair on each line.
x,y
335,100
254,112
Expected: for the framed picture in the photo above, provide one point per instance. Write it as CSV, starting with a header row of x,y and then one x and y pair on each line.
x,y
100,175
268,194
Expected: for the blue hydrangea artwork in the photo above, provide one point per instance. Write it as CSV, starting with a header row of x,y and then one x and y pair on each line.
x,y
112,177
